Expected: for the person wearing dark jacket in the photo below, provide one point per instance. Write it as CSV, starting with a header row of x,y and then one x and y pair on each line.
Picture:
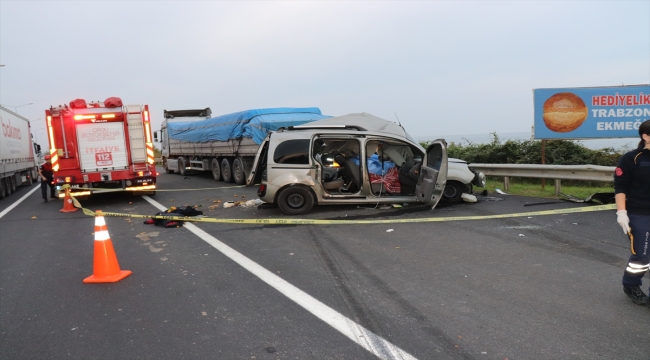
x,y
632,187
47,178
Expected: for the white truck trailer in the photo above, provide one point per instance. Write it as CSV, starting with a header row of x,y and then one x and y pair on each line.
x,y
18,153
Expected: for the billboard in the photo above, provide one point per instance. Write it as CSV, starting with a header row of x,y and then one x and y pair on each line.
x,y
591,113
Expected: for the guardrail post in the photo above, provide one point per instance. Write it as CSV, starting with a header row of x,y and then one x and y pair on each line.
x,y
506,183
557,187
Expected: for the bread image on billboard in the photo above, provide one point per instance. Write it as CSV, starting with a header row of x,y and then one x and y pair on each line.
x,y
564,112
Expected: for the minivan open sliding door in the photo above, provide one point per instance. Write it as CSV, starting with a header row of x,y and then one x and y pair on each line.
x,y
259,163
433,174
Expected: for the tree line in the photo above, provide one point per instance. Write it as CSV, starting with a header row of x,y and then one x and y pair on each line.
x,y
557,152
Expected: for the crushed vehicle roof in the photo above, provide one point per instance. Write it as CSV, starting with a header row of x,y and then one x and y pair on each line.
x,y
366,121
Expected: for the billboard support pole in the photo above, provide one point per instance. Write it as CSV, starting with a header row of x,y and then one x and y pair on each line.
x,y
543,160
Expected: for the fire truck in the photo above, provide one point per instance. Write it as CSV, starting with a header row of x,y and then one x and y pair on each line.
x,y
100,147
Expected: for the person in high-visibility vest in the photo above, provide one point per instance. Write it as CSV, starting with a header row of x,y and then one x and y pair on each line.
x,y
632,187
47,177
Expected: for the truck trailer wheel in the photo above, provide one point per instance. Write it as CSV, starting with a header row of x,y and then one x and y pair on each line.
x,y
167,170
12,180
2,188
8,188
226,172
238,174
216,169
181,166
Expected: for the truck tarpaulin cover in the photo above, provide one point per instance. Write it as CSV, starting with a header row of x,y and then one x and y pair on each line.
x,y
113,102
255,124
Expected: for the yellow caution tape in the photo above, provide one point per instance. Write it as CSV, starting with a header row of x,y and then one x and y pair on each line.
x,y
348,222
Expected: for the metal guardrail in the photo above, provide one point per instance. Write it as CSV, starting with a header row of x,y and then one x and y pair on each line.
x,y
557,172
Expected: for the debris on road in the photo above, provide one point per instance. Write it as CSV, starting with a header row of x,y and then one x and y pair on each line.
x,y
469,198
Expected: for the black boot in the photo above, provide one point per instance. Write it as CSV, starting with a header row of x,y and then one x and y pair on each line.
x,y
636,294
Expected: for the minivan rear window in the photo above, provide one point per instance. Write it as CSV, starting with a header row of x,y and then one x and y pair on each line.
x,y
292,152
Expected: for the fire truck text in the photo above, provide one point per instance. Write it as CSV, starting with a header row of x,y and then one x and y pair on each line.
x,y
105,149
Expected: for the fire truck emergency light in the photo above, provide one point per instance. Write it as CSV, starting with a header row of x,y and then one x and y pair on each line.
x,y
84,117
108,116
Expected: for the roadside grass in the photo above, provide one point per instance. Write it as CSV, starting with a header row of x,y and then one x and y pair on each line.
x,y
533,187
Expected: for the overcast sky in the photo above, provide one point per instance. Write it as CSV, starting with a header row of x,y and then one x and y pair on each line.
x,y
444,67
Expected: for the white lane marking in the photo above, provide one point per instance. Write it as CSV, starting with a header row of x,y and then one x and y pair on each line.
x,y
5,211
355,332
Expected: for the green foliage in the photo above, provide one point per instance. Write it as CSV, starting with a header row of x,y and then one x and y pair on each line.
x,y
532,187
558,152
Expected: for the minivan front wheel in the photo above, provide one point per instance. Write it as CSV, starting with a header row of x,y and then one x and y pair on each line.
x,y
453,190
295,200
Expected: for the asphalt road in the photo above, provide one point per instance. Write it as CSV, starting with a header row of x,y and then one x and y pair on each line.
x,y
540,287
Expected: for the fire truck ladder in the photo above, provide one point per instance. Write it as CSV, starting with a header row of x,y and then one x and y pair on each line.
x,y
136,137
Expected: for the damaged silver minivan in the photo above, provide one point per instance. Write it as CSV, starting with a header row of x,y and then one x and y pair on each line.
x,y
351,159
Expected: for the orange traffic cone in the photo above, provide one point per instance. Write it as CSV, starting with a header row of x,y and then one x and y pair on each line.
x,y
67,202
105,265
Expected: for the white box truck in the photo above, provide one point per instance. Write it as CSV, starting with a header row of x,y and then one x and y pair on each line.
x,y
18,153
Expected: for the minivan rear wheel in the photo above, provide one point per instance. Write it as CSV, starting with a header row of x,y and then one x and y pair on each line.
x,y
295,200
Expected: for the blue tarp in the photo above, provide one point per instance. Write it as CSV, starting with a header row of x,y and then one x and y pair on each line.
x,y
255,124
375,166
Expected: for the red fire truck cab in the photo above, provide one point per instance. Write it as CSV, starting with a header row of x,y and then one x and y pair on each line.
x,y
101,147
